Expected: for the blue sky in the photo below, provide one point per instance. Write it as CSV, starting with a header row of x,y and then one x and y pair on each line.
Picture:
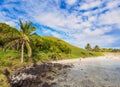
x,y
76,21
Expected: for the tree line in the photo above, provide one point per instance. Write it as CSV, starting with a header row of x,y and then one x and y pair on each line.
x,y
89,48
96,48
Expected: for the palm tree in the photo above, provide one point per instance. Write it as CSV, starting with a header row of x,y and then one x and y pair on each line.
x,y
88,47
22,38
96,48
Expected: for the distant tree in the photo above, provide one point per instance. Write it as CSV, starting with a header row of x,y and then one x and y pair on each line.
x,y
88,47
116,50
96,48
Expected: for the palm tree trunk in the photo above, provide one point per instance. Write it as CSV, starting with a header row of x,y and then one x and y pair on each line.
x,y
22,52
30,54
29,49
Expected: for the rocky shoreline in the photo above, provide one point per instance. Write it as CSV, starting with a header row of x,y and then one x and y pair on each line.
x,y
39,75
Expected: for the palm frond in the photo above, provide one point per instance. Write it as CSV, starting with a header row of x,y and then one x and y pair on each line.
x,y
27,25
10,44
21,25
11,39
31,30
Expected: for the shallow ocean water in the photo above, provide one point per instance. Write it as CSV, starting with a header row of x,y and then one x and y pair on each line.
x,y
92,72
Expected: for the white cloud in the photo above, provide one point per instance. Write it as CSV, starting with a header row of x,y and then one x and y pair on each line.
x,y
71,2
96,32
79,33
47,32
113,4
83,39
7,20
111,17
92,18
90,4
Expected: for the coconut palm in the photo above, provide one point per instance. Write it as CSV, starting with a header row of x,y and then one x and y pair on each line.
x,y
96,48
22,39
88,47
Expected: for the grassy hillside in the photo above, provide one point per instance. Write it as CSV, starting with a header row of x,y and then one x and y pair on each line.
x,y
75,51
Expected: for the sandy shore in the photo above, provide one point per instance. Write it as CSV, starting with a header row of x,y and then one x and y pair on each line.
x,y
102,71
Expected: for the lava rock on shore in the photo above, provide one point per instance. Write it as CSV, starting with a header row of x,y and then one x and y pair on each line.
x,y
40,75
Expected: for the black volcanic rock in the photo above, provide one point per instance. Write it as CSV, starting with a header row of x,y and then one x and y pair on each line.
x,y
36,76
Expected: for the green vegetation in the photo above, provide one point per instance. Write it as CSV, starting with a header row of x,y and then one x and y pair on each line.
x,y
98,49
22,39
74,52
40,48
16,44
88,47
109,50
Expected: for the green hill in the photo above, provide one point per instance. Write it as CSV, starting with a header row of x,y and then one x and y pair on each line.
x,y
75,51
